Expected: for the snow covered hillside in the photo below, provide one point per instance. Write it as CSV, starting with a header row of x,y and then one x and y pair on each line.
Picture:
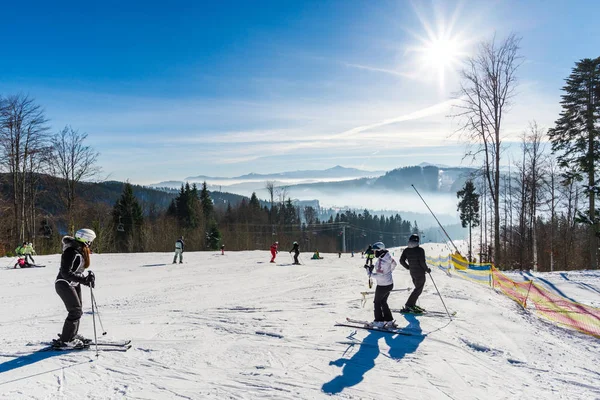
x,y
238,327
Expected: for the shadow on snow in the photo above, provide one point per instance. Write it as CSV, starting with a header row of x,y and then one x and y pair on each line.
x,y
28,359
354,368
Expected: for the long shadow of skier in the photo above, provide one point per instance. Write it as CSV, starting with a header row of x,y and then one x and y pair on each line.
x,y
363,360
355,368
401,345
28,359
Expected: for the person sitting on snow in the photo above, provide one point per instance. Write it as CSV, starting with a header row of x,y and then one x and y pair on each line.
x,y
22,263
316,256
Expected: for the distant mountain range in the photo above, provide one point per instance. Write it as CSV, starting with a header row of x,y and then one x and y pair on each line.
x,y
336,173
425,176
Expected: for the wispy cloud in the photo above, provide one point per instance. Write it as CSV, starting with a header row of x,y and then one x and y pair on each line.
x,y
384,70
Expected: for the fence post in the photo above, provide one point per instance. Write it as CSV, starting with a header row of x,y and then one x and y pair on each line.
x,y
526,297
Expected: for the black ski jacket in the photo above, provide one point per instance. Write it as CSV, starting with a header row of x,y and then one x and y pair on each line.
x,y
71,262
415,256
296,249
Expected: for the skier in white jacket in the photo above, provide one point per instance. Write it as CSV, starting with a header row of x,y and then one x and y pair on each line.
x,y
382,273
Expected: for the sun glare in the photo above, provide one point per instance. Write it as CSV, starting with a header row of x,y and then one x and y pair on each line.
x,y
441,50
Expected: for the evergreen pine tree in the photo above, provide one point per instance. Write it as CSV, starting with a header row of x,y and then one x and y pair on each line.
x,y
213,236
576,138
469,209
206,201
127,211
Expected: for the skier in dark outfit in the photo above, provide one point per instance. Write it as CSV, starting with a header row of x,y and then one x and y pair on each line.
x,y
75,259
370,255
296,250
417,266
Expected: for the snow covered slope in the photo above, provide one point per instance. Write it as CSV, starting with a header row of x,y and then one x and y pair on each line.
x,y
238,327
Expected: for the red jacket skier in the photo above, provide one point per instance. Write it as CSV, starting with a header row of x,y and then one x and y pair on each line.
x,y
274,251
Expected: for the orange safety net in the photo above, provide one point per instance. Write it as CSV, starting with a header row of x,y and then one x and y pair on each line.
x,y
549,305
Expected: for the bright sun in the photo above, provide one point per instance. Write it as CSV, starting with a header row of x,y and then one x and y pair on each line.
x,y
441,50
438,56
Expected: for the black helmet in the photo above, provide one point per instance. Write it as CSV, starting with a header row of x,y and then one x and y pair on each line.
x,y
414,238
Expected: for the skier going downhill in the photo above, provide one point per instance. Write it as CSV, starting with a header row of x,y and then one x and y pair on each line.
x,y
74,261
296,250
413,259
179,245
384,266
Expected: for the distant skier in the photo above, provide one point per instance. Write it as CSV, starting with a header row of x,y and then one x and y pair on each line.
x,y
384,266
274,251
370,255
179,245
28,251
74,261
22,263
296,250
417,266
222,249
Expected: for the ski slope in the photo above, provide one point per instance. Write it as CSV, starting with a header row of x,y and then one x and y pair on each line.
x,y
238,327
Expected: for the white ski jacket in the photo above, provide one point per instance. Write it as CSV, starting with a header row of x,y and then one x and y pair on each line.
x,y
384,266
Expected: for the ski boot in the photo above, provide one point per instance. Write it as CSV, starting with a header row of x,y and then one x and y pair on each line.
x,y
84,340
74,344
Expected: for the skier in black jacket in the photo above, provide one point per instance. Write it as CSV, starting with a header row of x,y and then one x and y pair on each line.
x,y
74,261
296,250
417,266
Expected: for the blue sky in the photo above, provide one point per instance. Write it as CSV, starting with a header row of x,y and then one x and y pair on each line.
x,y
170,90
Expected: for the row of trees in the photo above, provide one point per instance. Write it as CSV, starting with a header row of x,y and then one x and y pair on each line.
x,y
543,193
27,151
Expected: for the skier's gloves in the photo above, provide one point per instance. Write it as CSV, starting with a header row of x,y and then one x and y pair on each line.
x,y
428,270
90,280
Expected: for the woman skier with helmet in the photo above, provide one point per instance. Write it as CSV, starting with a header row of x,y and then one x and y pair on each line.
x,y
384,266
296,250
74,261
417,266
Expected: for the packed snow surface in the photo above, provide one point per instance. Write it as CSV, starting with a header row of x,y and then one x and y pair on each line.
x,y
235,326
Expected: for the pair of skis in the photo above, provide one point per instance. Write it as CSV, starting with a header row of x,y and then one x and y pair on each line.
x,y
103,345
388,328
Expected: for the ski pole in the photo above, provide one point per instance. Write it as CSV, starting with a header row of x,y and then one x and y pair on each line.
x,y
437,220
94,320
98,312
11,262
440,295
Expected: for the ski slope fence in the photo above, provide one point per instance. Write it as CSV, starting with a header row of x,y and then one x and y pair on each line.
x,y
529,295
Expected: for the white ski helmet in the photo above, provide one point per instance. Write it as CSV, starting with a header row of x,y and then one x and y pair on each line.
x,y
378,246
85,236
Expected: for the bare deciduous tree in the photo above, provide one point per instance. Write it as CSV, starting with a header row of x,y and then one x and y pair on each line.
x,y
23,137
73,161
488,84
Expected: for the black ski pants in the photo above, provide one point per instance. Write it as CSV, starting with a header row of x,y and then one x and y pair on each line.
x,y
296,258
71,296
418,279
382,310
